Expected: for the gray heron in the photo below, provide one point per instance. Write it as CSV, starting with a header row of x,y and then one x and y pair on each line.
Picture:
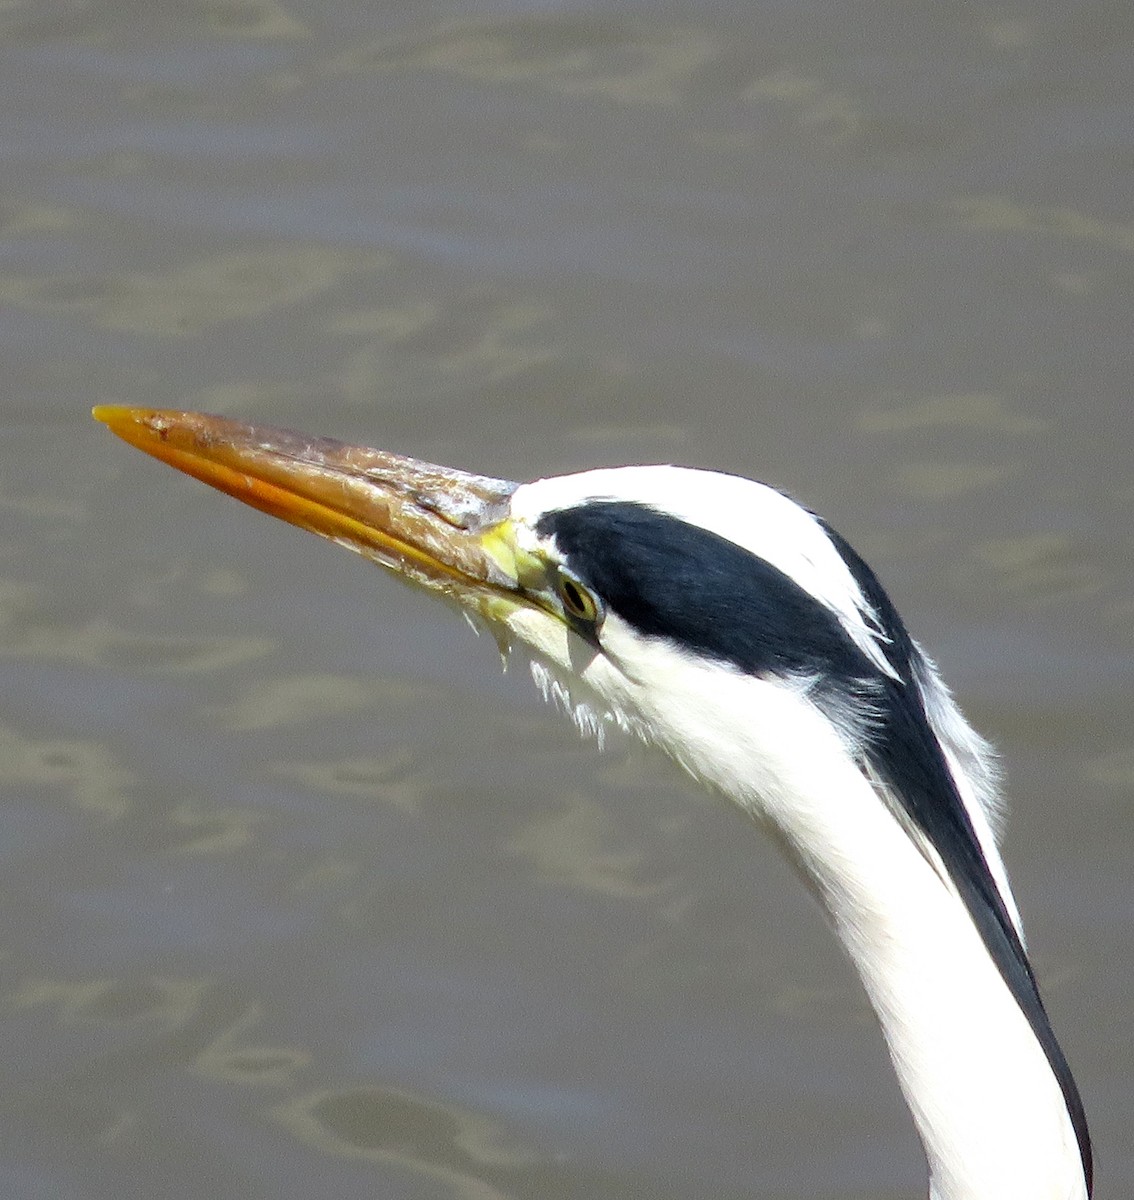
x,y
717,619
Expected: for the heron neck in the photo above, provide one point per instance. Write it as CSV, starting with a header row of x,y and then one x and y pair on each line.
x,y
989,1109
982,1093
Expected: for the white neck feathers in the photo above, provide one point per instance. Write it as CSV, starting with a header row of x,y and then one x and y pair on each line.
x,y
986,1103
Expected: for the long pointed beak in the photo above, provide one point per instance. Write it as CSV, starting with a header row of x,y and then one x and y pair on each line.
x,y
425,522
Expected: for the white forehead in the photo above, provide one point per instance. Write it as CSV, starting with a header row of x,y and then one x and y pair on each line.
x,y
750,514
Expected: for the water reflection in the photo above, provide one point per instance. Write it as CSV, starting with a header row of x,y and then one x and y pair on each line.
x,y
623,61
984,412
399,777
457,1152
577,845
817,105
186,300
290,700
1002,213
83,770
1041,567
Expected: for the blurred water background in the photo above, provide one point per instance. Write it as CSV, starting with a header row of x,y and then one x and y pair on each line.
x,y
301,896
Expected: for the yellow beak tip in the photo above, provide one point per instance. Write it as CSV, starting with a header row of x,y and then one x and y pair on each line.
x,y
114,416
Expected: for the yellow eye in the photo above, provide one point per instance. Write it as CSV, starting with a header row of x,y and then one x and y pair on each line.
x,y
577,601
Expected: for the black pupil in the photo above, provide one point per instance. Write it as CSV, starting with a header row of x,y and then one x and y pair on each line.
x,y
573,598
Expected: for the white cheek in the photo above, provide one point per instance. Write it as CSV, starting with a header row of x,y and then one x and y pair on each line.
x,y
759,741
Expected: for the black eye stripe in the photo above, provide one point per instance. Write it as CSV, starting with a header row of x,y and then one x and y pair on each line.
x,y
671,579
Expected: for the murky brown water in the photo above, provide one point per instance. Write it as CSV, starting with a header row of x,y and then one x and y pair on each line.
x,y
301,897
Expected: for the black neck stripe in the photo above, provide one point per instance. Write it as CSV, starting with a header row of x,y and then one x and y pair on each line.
x,y
909,757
